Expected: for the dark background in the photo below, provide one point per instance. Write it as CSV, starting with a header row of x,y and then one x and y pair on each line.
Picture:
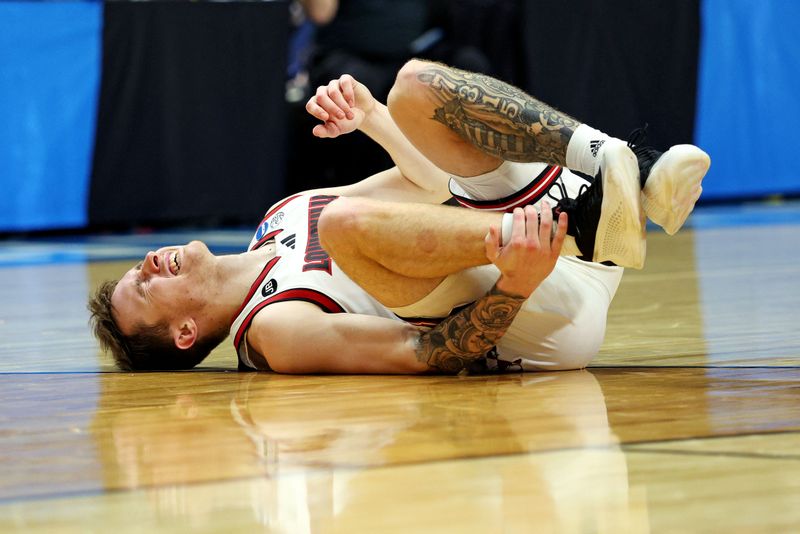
x,y
191,122
187,134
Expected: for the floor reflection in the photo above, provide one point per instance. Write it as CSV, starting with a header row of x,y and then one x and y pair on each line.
x,y
531,450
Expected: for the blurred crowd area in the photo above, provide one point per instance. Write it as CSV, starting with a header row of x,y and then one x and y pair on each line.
x,y
371,39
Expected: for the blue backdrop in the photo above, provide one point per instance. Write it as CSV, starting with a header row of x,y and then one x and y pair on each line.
x,y
49,78
748,102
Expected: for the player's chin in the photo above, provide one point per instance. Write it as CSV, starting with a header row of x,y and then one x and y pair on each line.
x,y
196,251
197,247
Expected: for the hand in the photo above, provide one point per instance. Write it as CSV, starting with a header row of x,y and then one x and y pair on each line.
x,y
342,106
531,254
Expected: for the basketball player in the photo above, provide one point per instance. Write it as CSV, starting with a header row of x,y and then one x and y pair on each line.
x,y
529,309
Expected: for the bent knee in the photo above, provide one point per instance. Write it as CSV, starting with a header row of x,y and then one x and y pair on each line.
x,y
407,88
344,222
578,351
576,358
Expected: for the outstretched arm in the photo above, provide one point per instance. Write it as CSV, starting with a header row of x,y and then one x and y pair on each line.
x,y
299,338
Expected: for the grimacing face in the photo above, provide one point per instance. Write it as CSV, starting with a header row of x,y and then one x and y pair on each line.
x,y
167,285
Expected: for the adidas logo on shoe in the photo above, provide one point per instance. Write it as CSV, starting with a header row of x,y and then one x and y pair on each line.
x,y
594,146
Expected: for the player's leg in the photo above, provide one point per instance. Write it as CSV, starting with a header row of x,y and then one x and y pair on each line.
x,y
416,240
400,252
455,118
502,121
460,119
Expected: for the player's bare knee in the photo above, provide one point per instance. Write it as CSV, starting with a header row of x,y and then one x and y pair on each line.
x,y
407,75
407,86
334,222
341,223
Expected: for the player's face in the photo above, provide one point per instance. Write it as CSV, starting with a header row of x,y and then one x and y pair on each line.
x,y
167,285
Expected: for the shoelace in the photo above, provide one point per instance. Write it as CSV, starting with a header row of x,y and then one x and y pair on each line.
x,y
578,209
647,156
638,136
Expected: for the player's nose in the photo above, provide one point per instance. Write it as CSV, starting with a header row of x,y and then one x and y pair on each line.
x,y
152,263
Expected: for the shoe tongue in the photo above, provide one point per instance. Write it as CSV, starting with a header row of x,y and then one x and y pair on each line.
x,y
646,156
568,206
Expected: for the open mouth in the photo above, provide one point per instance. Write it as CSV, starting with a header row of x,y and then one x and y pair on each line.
x,y
174,263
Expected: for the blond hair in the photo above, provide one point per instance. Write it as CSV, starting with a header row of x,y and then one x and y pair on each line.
x,y
150,347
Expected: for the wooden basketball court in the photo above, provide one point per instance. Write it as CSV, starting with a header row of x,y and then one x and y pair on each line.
x,y
688,421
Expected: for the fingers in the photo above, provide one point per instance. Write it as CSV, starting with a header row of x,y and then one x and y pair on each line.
x,y
518,227
561,233
326,130
336,96
492,243
348,85
315,110
329,103
532,226
332,102
545,225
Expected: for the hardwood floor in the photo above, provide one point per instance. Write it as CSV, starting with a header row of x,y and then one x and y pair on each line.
x,y
688,421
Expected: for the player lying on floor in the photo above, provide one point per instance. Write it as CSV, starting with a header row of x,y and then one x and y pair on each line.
x,y
353,279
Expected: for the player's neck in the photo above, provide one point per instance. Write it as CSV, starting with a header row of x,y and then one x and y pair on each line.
x,y
236,274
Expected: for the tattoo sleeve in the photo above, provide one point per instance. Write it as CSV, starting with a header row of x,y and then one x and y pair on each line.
x,y
497,117
464,337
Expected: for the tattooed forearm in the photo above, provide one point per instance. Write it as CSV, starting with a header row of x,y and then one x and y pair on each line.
x,y
461,339
497,117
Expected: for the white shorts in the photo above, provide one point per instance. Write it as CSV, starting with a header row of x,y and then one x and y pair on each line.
x,y
562,324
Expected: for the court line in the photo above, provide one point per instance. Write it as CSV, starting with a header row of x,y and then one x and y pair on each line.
x,y
727,454
637,366
314,467
234,370
221,370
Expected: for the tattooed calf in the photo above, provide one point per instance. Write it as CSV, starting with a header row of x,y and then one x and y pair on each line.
x,y
497,117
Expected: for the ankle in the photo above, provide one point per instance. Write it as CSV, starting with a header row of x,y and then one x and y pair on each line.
x,y
585,148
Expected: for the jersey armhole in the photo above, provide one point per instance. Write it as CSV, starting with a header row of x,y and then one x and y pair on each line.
x,y
256,358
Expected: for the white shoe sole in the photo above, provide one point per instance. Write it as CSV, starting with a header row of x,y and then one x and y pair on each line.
x,y
621,230
673,187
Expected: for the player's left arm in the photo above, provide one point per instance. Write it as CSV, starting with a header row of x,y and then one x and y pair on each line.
x,y
345,105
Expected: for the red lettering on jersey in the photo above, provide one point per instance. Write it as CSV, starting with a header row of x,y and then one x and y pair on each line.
x,y
316,259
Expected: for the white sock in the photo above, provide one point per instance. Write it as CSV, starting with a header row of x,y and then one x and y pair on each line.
x,y
584,149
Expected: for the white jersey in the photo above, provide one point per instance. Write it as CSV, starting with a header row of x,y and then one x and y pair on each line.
x,y
300,270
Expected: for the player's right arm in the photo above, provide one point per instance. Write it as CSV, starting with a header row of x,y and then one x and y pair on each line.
x,y
345,105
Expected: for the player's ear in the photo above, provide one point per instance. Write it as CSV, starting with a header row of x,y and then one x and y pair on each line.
x,y
185,333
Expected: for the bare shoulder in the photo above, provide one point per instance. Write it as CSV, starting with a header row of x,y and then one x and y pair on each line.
x,y
276,329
